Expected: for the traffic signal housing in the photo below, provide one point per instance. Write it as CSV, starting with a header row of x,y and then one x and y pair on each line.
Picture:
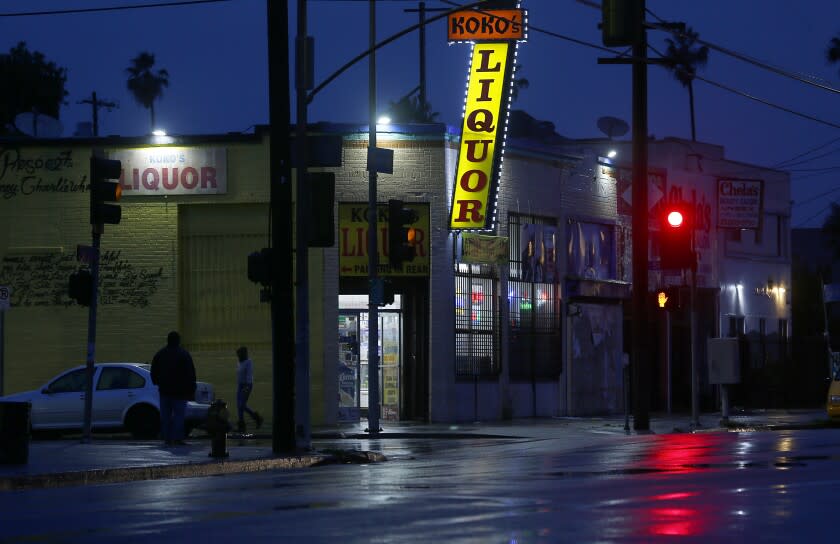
x,y
80,287
619,22
676,231
259,266
104,190
401,235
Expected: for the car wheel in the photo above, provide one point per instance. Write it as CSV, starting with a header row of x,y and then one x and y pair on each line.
x,y
143,421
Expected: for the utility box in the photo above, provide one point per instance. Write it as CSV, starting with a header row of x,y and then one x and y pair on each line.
x,y
724,361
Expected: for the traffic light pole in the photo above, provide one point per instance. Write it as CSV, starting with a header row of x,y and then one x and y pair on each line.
x,y
640,362
282,302
91,338
302,211
695,378
373,251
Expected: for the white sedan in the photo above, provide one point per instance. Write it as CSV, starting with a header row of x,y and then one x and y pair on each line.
x,y
123,398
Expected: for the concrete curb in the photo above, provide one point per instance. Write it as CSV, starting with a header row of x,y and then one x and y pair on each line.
x,y
182,470
409,435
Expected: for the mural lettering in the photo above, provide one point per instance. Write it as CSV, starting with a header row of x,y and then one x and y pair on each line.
x,y
47,173
41,279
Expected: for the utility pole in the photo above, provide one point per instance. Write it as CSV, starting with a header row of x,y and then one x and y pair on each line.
x,y
639,326
422,10
302,210
95,105
373,248
282,302
628,28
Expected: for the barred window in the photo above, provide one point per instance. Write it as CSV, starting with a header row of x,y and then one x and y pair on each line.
x,y
476,322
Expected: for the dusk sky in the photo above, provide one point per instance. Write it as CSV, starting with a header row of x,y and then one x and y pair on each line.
x,y
216,55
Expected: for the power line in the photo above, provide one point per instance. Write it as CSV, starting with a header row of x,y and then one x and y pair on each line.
x,y
109,8
808,79
813,198
821,169
755,98
650,61
817,148
823,210
802,79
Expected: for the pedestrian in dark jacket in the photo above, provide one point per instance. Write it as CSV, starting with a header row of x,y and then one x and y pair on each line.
x,y
174,374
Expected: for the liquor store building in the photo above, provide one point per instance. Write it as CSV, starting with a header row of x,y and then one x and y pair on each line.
x,y
522,320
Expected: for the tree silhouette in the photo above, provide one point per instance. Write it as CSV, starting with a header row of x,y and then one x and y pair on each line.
x,y
408,109
831,229
683,59
832,53
519,83
146,85
29,83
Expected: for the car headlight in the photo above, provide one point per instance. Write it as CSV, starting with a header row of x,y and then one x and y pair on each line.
x,y
834,399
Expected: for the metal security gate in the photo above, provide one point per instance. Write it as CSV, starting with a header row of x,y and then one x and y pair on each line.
x,y
476,322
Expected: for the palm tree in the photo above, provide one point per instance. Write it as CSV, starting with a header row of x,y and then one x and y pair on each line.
x,y
683,60
832,53
145,84
409,109
519,83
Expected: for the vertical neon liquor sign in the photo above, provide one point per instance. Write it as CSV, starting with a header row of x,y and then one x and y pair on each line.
x,y
494,35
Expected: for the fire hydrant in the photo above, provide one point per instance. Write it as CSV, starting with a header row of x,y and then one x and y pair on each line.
x,y
218,425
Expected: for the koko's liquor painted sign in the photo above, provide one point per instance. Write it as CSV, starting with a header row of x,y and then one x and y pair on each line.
x,y
483,127
353,240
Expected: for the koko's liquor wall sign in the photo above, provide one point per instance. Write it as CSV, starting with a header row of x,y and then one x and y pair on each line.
x,y
494,35
152,171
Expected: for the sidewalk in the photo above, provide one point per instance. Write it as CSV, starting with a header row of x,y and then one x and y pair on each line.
x,y
55,463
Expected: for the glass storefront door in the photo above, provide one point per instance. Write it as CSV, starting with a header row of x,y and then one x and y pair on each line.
x,y
348,367
353,378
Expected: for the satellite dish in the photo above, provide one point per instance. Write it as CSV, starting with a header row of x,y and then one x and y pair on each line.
x,y
38,125
613,127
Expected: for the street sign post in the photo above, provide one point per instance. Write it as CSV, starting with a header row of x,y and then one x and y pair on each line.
x,y
5,304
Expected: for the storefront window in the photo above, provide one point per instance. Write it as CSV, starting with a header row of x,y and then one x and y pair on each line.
x,y
590,251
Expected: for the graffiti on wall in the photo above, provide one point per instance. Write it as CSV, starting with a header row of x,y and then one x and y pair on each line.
x,y
40,279
48,172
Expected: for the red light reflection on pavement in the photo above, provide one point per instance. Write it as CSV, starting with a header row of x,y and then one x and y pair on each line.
x,y
683,452
679,513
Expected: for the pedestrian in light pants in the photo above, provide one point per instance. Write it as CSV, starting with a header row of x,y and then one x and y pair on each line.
x,y
244,386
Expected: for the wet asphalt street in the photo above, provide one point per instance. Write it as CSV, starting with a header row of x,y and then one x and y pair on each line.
x,y
767,486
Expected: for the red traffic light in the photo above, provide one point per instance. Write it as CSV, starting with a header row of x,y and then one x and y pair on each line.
x,y
675,218
676,250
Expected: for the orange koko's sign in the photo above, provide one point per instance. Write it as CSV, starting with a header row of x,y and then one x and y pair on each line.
x,y
498,24
473,199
